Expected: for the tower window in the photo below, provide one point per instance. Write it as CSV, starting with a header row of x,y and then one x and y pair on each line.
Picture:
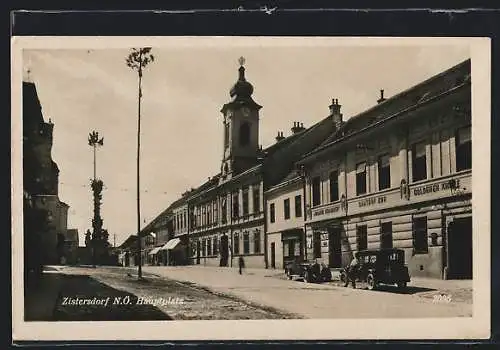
x,y
226,135
244,134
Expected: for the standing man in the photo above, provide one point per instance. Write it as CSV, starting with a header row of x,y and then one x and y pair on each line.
x,y
241,264
352,270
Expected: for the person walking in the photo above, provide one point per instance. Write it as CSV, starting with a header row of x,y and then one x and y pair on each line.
x,y
352,273
241,264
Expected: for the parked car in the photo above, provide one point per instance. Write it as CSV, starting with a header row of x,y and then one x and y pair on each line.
x,y
383,266
311,272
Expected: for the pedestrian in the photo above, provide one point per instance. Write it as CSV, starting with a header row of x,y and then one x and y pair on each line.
x,y
241,264
352,270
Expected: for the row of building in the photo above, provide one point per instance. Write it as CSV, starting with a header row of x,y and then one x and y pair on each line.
x,y
47,239
397,175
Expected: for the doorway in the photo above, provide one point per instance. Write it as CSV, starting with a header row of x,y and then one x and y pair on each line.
x,y
198,250
273,255
224,250
334,247
460,248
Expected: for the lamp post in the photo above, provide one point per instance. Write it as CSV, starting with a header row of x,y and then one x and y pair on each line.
x,y
137,60
94,142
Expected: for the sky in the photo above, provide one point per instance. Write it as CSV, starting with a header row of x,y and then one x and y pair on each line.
x,y
184,89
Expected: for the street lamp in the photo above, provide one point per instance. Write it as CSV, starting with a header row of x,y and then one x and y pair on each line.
x,y
137,60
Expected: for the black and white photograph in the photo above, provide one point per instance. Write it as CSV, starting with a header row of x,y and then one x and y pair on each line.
x,y
250,188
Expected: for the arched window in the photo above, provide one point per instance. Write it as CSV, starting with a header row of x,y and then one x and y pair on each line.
x,y
244,134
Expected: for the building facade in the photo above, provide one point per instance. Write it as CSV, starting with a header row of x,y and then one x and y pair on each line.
x,y
45,216
398,175
285,221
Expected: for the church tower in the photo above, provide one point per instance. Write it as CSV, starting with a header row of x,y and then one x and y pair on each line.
x,y
241,128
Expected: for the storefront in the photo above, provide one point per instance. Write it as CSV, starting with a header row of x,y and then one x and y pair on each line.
x,y
293,245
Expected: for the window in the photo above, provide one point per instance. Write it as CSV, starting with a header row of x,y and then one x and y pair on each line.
x,y
386,235
286,208
216,245
244,134
216,212
236,243
224,210
463,143
384,172
245,201
272,213
226,135
419,162
316,191
420,244
256,198
209,246
334,186
360,179
361,237
298,206
236,207
256,241
246,243
209,214
317,245
204,247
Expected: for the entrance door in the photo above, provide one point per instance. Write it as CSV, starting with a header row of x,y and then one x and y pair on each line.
x,y
334,247
460,248
273,255
224,250
198,250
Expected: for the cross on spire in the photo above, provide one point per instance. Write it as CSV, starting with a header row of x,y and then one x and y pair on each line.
x,y
241,61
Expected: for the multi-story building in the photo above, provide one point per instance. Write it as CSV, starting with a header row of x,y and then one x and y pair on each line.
x,y
45,215
285,221
398,175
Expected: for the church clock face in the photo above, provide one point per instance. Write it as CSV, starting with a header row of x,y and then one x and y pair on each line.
x,y
245,111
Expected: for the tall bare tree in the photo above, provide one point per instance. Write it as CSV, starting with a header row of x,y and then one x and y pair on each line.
x,y
137,60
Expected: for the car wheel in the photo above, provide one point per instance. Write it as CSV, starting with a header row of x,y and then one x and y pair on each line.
x,y
370,280
343,277
401,285
307,277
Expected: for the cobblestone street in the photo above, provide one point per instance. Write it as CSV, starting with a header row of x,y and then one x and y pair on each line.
x,y
114,294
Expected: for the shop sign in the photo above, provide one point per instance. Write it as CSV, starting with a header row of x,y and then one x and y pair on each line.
x,y
325,211
372,201
450,184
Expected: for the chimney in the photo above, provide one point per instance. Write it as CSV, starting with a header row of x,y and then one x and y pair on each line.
x,y
297,127
335,113
280,136
382,98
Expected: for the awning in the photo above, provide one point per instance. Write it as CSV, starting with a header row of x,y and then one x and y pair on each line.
x,y
292,234
154,251
171,244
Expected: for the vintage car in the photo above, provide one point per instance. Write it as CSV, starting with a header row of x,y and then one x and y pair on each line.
x,y
311,272
383,266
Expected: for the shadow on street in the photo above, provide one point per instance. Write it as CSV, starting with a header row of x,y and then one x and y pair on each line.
x,y
82,298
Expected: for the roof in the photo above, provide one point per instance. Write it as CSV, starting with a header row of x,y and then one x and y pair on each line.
x,y
128,242
408,98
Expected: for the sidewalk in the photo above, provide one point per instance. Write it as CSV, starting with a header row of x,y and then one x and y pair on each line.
x,y
41,298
